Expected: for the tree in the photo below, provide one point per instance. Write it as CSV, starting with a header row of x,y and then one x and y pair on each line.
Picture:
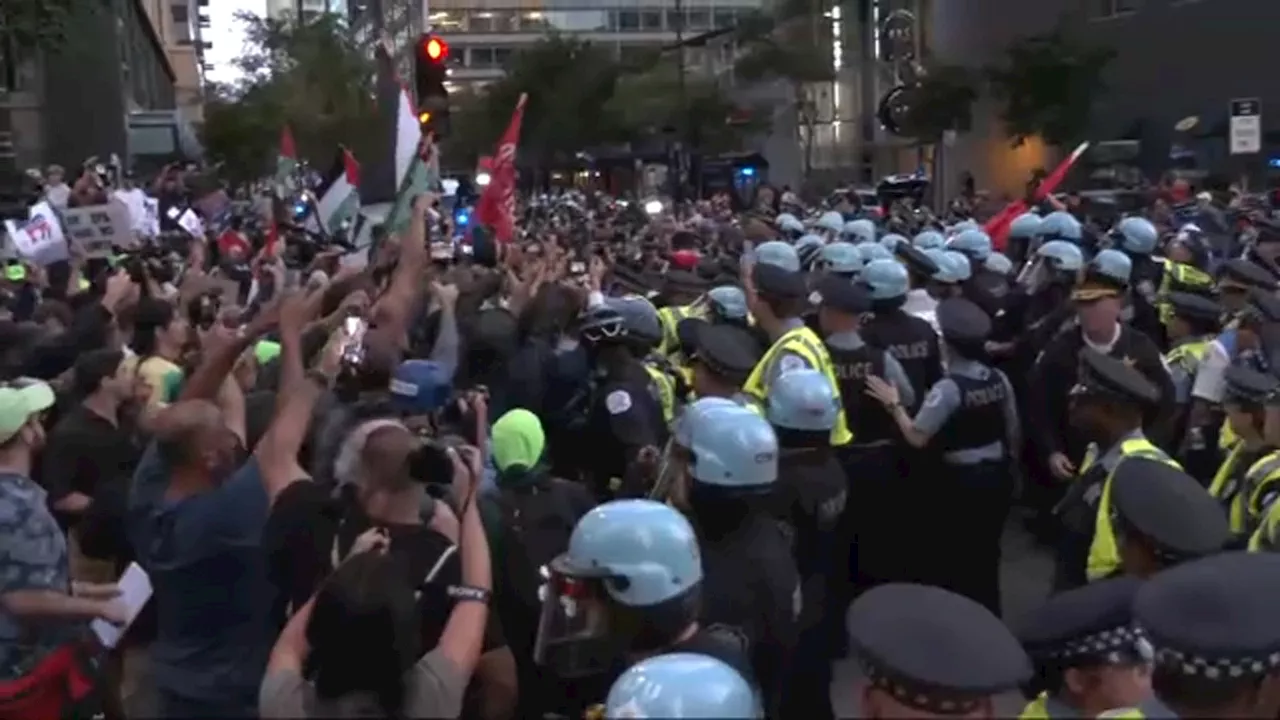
x,y
310,76
1048,85
791,44
941,100
36,24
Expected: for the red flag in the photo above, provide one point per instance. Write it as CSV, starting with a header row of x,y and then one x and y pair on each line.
x,y
998,226
497,204
287,148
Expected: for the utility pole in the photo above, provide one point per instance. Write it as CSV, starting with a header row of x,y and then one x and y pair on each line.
x,y
682,106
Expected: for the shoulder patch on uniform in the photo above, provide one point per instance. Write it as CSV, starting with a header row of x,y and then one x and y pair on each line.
x,y
790,362
618,402
934,398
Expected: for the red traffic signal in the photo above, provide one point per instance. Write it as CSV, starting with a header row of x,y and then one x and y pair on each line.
x,y
435,49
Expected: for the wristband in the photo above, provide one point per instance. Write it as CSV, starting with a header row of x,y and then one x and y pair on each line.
x,y
468,593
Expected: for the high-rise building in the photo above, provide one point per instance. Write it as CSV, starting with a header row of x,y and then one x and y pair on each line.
x,y
179,25
305,9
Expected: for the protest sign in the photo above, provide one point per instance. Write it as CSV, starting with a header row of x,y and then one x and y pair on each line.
x,y
39,240
191,222
96,228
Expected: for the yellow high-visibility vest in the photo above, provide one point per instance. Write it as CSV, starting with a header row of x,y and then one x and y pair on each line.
x,y
1104,556
803,342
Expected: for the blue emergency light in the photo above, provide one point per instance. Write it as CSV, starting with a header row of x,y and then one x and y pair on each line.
x,y
462,217
747,172
1273,162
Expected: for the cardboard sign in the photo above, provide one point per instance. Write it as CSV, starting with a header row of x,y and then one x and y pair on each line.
x,y
96,228
40,239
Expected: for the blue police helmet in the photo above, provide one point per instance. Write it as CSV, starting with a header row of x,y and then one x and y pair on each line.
x,y
885,279
891,241
807,248
964,225
732,447
960,267
860,230
728,302
841,257
999,263
690,418
776,252
1062,255
639,316
1137,235
929,240
802,399
789,223
831,221
682,686
944,273
1113,264
871,251
974,243
1060,225
648,543
602,322
1026,225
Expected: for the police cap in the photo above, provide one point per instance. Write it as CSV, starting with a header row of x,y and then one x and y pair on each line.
x,y
1247,386
1263,306
1169,508
843,295
961,320
1242,273
1103,375
1193,306
1087,626
776,282
1214,618
934,650
916,260
726,350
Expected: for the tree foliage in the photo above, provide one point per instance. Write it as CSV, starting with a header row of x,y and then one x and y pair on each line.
x,y
789,43
309,76
580,97
942,100
37,24
1048,85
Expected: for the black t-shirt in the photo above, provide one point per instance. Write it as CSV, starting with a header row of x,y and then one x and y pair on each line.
x,y
299,539
88,454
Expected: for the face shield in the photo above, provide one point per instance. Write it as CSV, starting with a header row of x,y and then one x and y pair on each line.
x,y
576,634
1035,275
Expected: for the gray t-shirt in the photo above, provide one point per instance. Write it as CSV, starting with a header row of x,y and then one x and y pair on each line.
x,y
434,690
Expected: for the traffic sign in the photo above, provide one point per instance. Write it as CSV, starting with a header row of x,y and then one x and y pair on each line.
x,y
1246,126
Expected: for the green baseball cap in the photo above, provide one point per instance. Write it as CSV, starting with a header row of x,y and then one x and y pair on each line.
x,y
517,441
266,351
18,404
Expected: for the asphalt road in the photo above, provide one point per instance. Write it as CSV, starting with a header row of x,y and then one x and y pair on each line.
x,y
1025,578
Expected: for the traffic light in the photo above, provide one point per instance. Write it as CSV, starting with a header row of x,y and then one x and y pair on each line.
x,y
430,73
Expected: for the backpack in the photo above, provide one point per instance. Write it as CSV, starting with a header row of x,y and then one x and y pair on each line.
x,y
537,521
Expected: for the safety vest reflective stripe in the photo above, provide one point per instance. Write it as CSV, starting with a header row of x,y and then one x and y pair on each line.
x,y
666,388
1262,478
669,317
1187,277
1228,491
1104,557
803,342
1035,710
1188,355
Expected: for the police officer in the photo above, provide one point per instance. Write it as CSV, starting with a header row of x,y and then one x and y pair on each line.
x,y
929,240
1236,278
1106,406
777,297
1088,655
643,336
909,339
630,584
622,417
1246,393
1136,237
1022,234
680,686
859,231
987,289
970,418
1192,325
721,358
810,497
929,652
681,290
1162,516
727,458
841,259
1216,635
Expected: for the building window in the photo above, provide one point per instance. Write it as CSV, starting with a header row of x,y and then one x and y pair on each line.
x,y
698,20
722,18
651,20
628,20
1103,9
181,18
483,58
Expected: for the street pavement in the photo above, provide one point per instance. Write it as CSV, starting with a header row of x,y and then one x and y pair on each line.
x,y
1026,575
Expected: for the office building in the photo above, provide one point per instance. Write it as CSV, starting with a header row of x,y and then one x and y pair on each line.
x,y
179,25
1174,59
305,9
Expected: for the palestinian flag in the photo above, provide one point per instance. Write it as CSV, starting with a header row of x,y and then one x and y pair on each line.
x,y
339,196
286,163
423,175
386,174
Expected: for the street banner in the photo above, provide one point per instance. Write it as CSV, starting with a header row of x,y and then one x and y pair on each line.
x,y
39,240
